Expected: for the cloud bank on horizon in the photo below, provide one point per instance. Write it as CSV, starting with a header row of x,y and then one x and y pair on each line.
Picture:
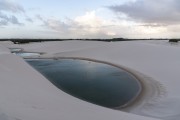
x,y
95,19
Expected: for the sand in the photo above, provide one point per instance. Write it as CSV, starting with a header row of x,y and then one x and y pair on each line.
x,y
27,95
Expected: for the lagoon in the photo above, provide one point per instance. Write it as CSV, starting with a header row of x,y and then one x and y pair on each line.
x,y
95,82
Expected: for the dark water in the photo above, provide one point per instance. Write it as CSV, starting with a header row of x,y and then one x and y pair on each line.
x,y
94,82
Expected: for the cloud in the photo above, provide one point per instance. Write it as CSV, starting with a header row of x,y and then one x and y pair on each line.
x,y
3,16
164,12
89,19
5,20
14,20
7,5
29,19
56,25
39,17
88,25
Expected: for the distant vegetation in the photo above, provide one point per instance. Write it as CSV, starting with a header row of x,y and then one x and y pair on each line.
x,y
174,40
25,41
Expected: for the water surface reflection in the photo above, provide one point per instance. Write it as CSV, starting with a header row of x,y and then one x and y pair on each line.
x,y
98,83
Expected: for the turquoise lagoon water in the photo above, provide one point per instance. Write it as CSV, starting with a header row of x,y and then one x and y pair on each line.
x,y
95,82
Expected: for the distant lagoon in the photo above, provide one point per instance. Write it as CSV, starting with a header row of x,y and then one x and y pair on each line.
x,y
22,53
95,82
27,54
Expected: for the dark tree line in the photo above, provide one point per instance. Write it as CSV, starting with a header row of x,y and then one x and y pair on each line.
x,y
25,41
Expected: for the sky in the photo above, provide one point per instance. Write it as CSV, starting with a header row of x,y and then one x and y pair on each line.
x,y
89,18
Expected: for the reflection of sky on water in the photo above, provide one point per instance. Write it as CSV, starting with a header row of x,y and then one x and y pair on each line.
x,y
15,50
20,52
97,83
26,54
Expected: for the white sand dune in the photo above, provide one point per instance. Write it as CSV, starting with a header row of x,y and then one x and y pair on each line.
x,y
26,94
